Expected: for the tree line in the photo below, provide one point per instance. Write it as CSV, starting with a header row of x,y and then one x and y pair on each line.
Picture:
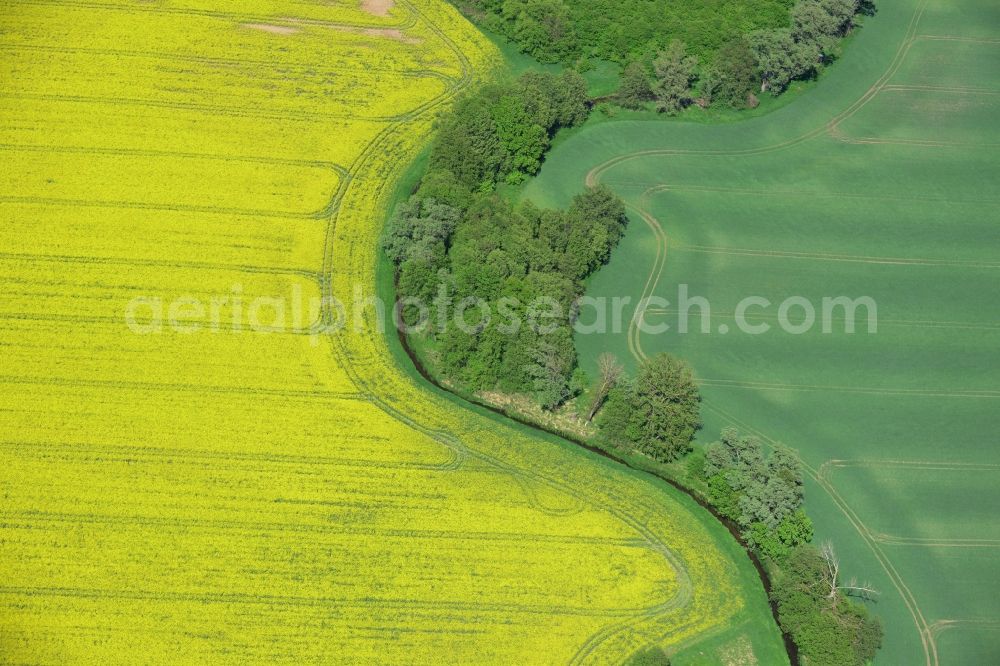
x,y
622,31
762,494
765,60
657,414
671,69
500,133
457,239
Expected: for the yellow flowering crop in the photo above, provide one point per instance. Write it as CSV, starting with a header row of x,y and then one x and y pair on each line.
x,y
221,494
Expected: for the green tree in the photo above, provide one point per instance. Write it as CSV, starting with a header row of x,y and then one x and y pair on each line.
x,y
658,413
444,187
762,494
501,132
780,58
523,142
417,279
828,632
843,12
735,73
419,229
739,457
822,23
596,220
570,99
468,144
543,28
635,88
538,91
813,24
618,420
551,367
555,101
723,497
675,72
795,529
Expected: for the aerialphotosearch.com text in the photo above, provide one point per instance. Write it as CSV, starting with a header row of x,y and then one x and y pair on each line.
x,y
363,311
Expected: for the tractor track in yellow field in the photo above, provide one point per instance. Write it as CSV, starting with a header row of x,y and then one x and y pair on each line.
x,y
462,450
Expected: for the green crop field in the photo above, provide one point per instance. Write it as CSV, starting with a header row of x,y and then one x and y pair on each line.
x,y
882,181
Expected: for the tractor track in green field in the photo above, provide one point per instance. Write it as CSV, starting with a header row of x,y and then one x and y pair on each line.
x,y
829,128
867,535
594,176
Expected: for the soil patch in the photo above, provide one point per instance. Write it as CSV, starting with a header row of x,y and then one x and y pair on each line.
x,y
273,29
377,7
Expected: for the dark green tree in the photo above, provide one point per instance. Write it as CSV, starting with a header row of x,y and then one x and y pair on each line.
x,y
419,229
444,187
829,631
500,133
735,74
762,494
656,414
523,142
571,101
551,367
555,101
794,529
468,144
596,220
813,24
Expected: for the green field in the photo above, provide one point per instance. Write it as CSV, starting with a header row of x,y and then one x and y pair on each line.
x,y
881,181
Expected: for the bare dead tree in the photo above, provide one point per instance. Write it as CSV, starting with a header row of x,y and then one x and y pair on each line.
x,y
832,580
610,372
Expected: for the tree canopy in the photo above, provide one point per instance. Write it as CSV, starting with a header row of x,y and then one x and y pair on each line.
x,y
730,47
501,132
762,493
829,631
625,30
675,71
526,265
657,413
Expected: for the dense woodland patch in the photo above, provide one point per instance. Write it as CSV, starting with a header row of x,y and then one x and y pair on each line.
x,y
623,31
457,241
675,54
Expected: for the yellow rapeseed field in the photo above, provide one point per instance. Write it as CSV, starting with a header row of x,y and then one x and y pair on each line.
x,y
208,493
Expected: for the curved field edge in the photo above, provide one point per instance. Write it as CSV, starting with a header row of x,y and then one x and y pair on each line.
x,y
662,170
719,605
187,498
752,632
